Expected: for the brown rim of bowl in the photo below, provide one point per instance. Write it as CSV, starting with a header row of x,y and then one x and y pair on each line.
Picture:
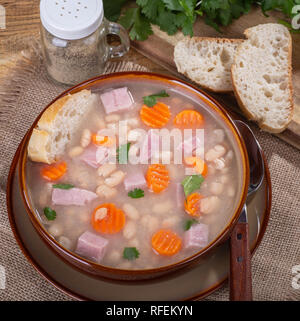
x,y
48,278
98,267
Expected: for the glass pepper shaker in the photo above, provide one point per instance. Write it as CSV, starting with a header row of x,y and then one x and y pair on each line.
x,y
74,39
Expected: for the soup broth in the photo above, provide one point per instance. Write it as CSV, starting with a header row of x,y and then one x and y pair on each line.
x,y
140,216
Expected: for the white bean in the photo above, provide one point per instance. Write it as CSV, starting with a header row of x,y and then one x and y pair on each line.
x,y
162,208
218,135
170,221
134,135
214,153
65,242
113,127
134,242
55,229
75,151
133,122
230,191
129,230
216,188
219,163
131,211
114,256
106,169
106,191
112,118
115,179
224,179
101,213
209,204
85,138
150,222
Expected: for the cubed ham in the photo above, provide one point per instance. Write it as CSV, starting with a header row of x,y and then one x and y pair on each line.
x,y
196,236
179,195
73,196
91,246
94,156
134,180
189,145
116,100
150,146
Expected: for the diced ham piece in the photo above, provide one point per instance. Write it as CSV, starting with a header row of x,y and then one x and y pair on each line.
x,y
116,100
134,180
94,156
189,145
91,246
73,196
196,236
179,195
150,146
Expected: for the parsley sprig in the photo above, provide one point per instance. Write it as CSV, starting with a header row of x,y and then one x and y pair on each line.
x,y
136,193
151,100
130,253
50,214
174,15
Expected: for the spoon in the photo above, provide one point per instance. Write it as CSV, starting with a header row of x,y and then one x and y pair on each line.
x,y
240,256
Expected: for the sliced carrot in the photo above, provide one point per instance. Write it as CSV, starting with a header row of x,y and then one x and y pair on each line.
x,y
54,172
111,223
198,163
166,242
192,203
156,116
99,140
157,177
188,119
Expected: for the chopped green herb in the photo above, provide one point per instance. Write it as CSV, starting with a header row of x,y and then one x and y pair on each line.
x,y
188,223
63,186
152,99
136,193
191,184
130,253
122,153
50,214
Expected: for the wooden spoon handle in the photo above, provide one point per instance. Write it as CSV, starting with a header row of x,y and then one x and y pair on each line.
x,y
240,264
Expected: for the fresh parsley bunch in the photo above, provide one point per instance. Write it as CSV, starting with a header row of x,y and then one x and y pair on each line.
x,y
174,15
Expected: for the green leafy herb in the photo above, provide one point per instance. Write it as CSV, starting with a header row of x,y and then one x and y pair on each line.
x,y
130,253
50,214
122,153
191,184
136,193
188,224
152,99
174,15
63,186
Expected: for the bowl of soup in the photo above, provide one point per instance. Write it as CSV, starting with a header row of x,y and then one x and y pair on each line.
x,y
152,179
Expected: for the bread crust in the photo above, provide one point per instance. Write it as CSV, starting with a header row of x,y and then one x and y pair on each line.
x,y
215,40
39,145
242,105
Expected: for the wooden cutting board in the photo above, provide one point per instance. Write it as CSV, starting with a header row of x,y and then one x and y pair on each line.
x,y
159,48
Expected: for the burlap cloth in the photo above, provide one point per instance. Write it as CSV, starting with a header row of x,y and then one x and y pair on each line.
x,y
25,90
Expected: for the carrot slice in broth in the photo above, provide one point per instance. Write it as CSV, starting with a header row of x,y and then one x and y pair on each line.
x,y
166,242
157,177
112,222
192,204
198,164
188,119
156,116
54,172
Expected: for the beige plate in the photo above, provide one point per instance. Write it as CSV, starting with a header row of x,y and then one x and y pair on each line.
x,y
195,283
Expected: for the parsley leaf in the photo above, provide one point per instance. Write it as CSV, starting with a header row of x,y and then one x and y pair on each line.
x,y
130,253
151,99
188,224
192,183
50,214
63,186
136,193
112,9
122,153
139,25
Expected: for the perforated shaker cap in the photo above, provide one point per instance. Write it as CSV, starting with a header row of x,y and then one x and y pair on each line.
x,y
71,19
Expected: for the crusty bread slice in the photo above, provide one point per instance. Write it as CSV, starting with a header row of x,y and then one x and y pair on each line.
x,y
207,61
57,125
262,76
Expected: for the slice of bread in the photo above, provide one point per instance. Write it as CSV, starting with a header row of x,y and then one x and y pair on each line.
x,y
207,61
57,125
262,76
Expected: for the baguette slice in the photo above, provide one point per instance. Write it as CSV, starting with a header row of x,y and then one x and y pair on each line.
x,y
57,125
262,76
207,61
